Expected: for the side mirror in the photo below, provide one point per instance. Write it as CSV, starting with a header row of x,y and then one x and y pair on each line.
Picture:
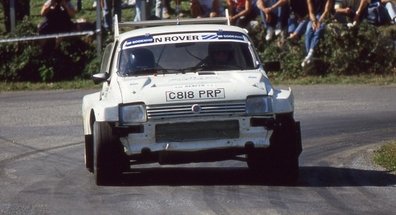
x,y
273,66
100,77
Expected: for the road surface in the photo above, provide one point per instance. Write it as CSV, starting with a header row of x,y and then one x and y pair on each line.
x,y
42,169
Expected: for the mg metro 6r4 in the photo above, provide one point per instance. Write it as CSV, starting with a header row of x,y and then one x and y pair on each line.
x,y
187,93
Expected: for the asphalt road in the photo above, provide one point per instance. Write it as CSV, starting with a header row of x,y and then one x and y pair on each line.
x,y
42,169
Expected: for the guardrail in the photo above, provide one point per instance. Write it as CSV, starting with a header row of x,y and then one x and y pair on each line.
x,y
47,36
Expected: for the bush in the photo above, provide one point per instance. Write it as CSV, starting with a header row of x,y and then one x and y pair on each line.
x,y
363,50
49,60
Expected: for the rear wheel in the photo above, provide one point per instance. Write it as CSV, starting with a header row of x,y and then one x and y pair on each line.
x,y
280,160
109,158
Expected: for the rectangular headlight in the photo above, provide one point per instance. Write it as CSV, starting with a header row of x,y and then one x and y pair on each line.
x,y
258,105
132,113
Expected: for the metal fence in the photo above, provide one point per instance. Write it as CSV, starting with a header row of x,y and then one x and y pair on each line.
x,y
61,35
48,36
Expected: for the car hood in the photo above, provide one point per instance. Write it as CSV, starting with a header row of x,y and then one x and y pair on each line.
x,y
193,87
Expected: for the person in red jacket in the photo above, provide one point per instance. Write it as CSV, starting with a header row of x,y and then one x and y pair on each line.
x,y
242,12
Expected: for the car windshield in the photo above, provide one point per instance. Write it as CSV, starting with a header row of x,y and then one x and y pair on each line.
x,y
186,57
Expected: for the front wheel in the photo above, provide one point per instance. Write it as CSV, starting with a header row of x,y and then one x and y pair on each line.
x,y
109,158
280,160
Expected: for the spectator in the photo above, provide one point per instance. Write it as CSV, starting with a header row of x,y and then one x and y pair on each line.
x,y
318,10
57,17
297,27
205,8
391,9
79,5
110,8
143,10
128,3
158,9
298,19
139,13
242,12
168,10
275,14
350,11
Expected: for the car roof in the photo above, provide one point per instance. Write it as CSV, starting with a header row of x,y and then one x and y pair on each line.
x,y
175,26
174,29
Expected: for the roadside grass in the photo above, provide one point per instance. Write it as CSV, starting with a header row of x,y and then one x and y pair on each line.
x,y
29,86
275,79
370,79
385,156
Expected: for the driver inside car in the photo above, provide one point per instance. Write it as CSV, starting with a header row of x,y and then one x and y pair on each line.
x,y
219,54
137,60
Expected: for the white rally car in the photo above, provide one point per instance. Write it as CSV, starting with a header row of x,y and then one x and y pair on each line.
x,y
182,93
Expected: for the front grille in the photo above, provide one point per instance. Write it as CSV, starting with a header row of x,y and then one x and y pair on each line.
x,y
194,131
230,108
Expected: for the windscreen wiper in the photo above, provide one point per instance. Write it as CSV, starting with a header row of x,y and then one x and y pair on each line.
x,y
147,71
196,68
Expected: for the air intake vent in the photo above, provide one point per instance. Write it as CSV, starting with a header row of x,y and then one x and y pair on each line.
x,y
229,108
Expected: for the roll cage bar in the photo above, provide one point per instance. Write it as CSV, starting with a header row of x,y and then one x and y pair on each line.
x,y
148,23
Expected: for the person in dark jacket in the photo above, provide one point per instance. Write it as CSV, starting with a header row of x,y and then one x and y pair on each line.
x,y
57,17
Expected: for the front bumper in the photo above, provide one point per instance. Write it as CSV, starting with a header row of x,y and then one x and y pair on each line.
x,y
199,135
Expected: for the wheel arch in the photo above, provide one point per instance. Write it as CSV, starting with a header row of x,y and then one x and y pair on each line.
x,y
88,111
98,110
283,101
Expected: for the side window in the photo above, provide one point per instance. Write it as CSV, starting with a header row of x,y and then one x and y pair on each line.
x,y
106,59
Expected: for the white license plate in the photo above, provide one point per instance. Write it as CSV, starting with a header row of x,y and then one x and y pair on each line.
x,y
195,94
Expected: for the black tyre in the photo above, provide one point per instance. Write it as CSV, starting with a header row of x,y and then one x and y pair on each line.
x,y
280,160
89,153
259,159
109,158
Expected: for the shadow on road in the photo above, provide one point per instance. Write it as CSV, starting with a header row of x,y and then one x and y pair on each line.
x,y
318,176
315,176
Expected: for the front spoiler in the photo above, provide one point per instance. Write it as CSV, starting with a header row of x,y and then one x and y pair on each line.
x,y
257,137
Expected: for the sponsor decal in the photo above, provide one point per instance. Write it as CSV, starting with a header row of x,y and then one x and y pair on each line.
x,y
227,35
179,38
176,38
139,40
172,96
209,37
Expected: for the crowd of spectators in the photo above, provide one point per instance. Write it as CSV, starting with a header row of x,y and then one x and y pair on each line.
x,y
287,19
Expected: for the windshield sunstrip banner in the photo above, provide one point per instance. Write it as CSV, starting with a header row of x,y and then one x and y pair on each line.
x,y
179,38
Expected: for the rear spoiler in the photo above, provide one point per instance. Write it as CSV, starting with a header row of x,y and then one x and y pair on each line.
x,y
149,23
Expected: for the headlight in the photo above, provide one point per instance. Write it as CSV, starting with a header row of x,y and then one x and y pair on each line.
x,y
132,113
258,105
